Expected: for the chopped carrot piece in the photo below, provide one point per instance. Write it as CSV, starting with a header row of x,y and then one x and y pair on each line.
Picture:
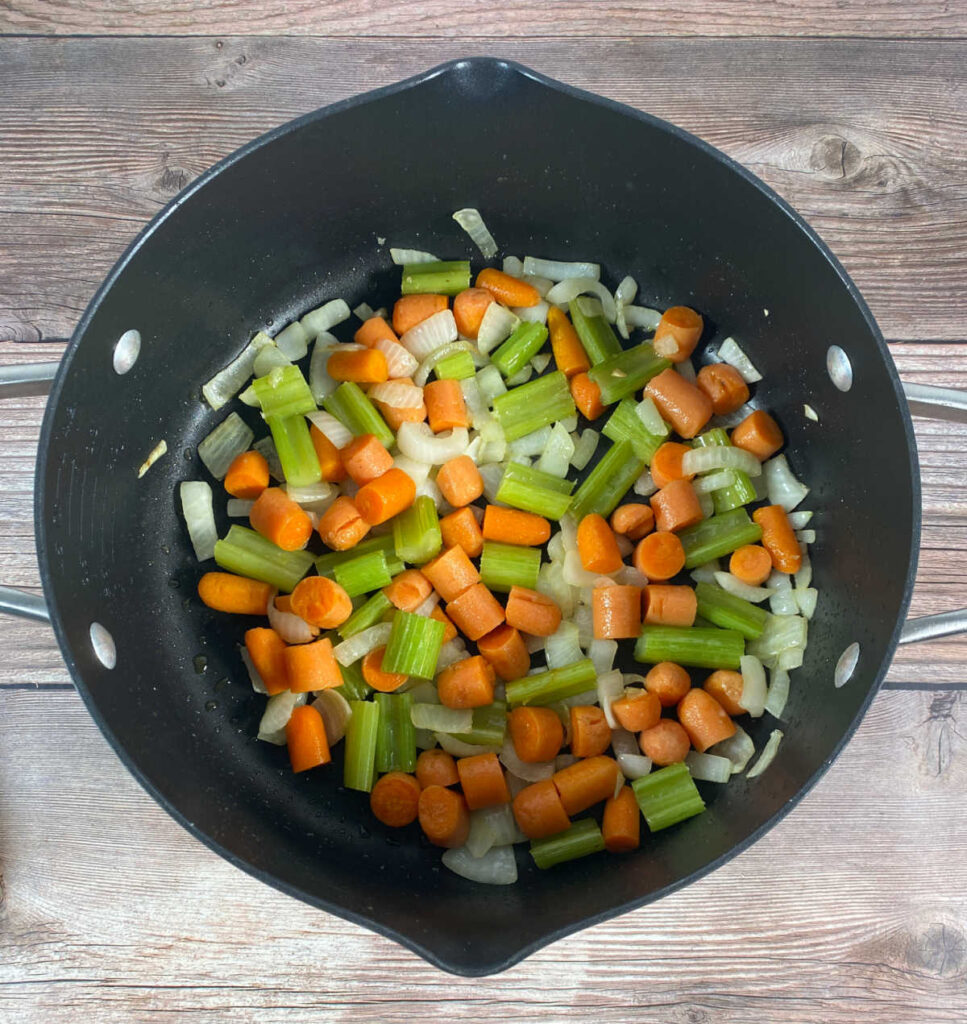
x,y
621,824
616,612
321,602
532,612
445,405
681,403
330,461
667,605
511,291
408,590
665,743
267,650
247,476
505,649
590,732
436,768
365,458
312,667
469,308
475,612
386,496
341,526
226,592
586,782
374,329
281,520
759,434
537,734
482,781
305,735
638,711
597,546
569,355
461,529
659,556
468,683
395,416
395,799
511,526
676,506
633,521
677,333
377,677
363,367
460,481
668,682
751,564
666,465
704,719
451,573
726,687
443,814
779,538
587,396
449,629
724,386
410,310
539,811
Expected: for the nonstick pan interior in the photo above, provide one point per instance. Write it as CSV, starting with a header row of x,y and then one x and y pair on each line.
x,y
308,214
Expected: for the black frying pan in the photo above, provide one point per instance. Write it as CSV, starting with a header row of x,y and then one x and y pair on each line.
x,y
295,218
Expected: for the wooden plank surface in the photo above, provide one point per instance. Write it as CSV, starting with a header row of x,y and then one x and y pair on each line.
x,y
864,137
470,20
854,907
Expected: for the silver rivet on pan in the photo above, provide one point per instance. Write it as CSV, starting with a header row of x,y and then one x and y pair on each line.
x,y
103,644
126,351
846,665
839,368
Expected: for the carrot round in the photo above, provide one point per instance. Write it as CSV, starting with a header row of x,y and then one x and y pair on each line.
x,y
312,667
321,602
668,605
586,782
372,330
341,526
668,682
305,736
616,612
279,519
444,816
469,308
724,386
468,683
779,538
637,712
532,612
665,743
482,781
330,461
511,291
247,476
596,545
590,732
506,651
621,824
681,403
366,366
395,799
759,434
386,496
704,719
511,526
726,687
445,405
461,529
587,396
408,590
475,612
226,592
376,676
451,573
537,734
267,650
436,768
633,521
659,556
410,310
365,458
569,355
449,629
676,506
666,464
539,811
751,564
677,333
460,481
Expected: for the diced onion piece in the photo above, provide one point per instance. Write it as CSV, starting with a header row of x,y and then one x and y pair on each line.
x,y
804,575
230,380
768,754
650,417
238,508
806,599
438,718
781,633
572,287
497,866
629,576
778,693
490,827
574,572
582,618
782,487
536,314
542,285
754,688
423,692
625,546
585,448
397,394
403,256
705,503
558,270
799,520
806,536
338,434
419,443
644,486
562,647
360,644
523,375
399,362
550,581
320,383
428,364
686,369
249,397
626,291
735,586
556,457
738,748
426,606
471,222
714,481
541,361
364,311
460,749
278,711
633,764
477,406
429,489
325,317
703,460
416,471
227,441
313,497
196,506
293,341
530,444
512,265
610,687
522,769
533,644
492,474
451,651
790,658
641,316
336,713
706,573
292,628
731,353
810,413
159,449
265,446
430,334
497,325
258,684
602,654
783,600
708,767
491,383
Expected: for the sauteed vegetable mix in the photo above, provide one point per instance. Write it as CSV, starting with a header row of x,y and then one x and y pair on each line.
x,y
456,521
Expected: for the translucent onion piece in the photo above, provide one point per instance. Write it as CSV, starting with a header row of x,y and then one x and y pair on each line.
x,y
650,417
610,688
258,683
238,508
403,256
542,285
782,487
471,222
541,361
477,406
490,827
804,575
550,581
460,749
705,503
196,507
418,442
629,576
790,658
735,586
450,652
602,654
512,265
289,626
585,448
738,748
230,380
641,316
781,633
714,481
702,460
416,471
810,413
558,270
590,306
278,711
562,647
530,444
523,375
159,449
706,573
490,383
806,536
731,353
429,489
265,446
574,286
769,752
497,325
360,644
783,600
338,434
325,317
267,360
229,439
492,474
364,311
708,767
533,644
754,688
523,770
732,419
428,364
585,624
644,486
397,394
556,457
626,291
778,694
430,334
292,341
625,546
631,761
575,573
248,397
426,606
399,362
497,866
687,370
536,314
422,692
807,598
320,383
336,713
437,718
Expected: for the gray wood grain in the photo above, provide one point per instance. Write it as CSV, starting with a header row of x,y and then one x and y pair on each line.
x,y
865,137
467,19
